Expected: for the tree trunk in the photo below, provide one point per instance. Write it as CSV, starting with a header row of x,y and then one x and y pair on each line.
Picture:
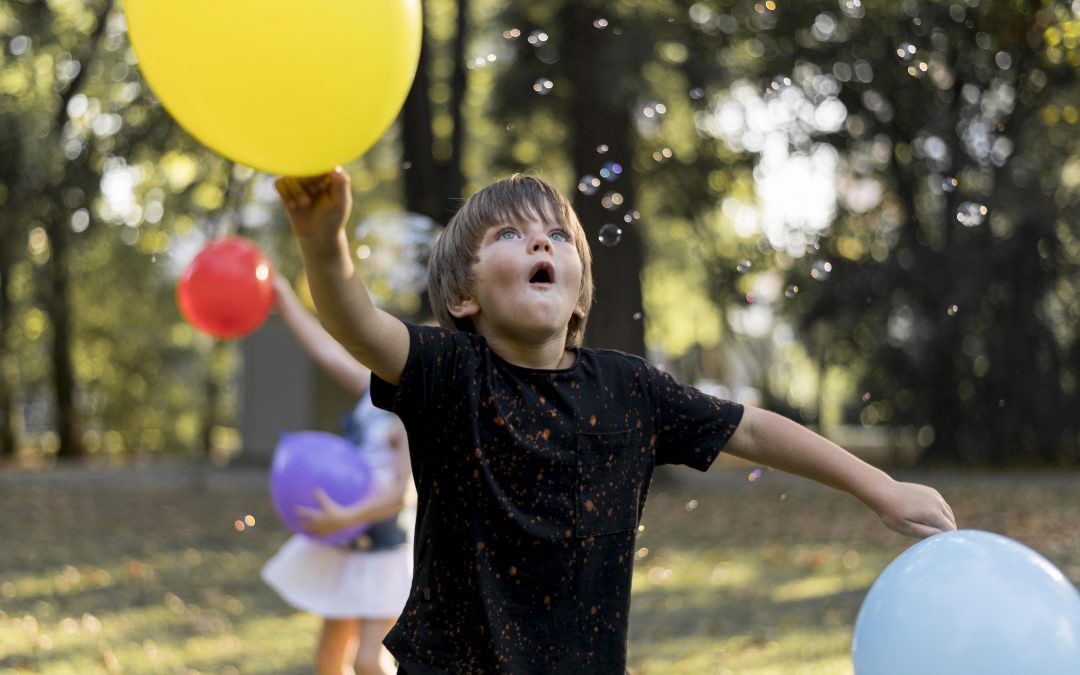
x,y
601,116
67,415
433,187
10,161
7,402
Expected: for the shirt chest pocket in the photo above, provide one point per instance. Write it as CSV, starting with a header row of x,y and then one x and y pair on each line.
x,y
610,471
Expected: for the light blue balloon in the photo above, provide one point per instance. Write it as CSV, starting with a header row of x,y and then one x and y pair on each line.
x,y
969,602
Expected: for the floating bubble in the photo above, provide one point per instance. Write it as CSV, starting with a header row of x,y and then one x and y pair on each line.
x,y
638,316
949,184
543,86
779,83
867,396
611,200
821,270
662,154
537,38
953,310
697,93
610,235
754,475
791,291
588,185
600,24
611,171
512,33
631,216
80,220
750,298
917,70
602,149
691,505
970,214
906,51
852,8
744,266
653,110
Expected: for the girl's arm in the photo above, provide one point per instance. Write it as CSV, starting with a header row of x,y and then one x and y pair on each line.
x,y
766,438
320,345
332,516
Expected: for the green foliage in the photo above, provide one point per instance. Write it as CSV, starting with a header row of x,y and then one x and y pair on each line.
x,y
878,307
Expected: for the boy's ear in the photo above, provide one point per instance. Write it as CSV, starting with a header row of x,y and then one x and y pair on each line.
x,y
579,311
463,307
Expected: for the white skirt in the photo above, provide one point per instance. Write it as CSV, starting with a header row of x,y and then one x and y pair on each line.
x,y
336,583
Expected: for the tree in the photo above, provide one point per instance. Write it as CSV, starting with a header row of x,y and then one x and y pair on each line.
x,y
943,296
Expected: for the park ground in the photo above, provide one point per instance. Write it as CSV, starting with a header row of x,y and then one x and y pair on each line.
x,y
153,569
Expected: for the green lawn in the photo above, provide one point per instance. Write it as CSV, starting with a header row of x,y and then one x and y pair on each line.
x,y
146,571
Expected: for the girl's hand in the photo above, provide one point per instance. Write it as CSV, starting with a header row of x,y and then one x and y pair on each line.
x,y
327,519
317,206
914,510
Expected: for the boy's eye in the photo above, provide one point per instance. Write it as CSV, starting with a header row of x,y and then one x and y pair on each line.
x,y
559,235
508,233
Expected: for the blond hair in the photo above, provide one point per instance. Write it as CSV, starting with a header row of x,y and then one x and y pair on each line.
x,y
516,199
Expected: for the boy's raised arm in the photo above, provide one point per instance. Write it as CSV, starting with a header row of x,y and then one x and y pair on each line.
x,y
318,208
770,439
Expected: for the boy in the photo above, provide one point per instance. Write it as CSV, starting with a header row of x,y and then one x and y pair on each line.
x,y
532,455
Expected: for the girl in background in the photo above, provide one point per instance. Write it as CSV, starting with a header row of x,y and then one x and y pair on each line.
x,y
360,588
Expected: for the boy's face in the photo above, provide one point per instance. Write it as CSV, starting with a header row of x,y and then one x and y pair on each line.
x,y
526,282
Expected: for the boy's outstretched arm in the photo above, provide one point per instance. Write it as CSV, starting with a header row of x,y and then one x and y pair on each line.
x,y
766,438
318,208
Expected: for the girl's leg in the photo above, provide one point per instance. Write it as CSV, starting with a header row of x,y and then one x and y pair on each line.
x,y
372,632
338,644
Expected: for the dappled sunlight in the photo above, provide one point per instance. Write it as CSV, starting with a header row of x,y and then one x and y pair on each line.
x,y
822,586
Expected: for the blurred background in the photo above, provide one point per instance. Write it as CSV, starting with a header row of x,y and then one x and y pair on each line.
x,y
861,214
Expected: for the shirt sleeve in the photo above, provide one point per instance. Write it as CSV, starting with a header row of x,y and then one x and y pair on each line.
x,y
437,358
693,426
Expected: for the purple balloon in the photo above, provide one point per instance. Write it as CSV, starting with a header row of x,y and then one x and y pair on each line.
x,y
307,460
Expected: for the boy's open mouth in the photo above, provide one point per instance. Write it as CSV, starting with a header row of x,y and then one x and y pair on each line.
x,y
542,273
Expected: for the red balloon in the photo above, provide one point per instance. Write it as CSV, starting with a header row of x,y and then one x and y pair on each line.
x,y
226,289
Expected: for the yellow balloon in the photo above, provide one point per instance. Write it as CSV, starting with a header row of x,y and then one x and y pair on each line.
x,y
291,87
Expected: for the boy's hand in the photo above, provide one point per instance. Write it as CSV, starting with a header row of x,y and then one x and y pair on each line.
x,y
327,519
914,510
318,206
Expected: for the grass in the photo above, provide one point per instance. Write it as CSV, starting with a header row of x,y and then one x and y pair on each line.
x,y
149,571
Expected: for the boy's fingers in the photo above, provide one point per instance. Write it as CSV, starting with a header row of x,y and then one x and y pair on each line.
x,y
282,187
922,531
338,183
312,187
297,195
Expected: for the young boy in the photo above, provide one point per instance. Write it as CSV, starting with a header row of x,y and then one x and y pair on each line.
x,y
532,455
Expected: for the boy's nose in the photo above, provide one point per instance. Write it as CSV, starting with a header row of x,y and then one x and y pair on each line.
x,y
541,244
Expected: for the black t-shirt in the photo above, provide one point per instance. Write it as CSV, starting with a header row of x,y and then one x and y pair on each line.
x,y
530,486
